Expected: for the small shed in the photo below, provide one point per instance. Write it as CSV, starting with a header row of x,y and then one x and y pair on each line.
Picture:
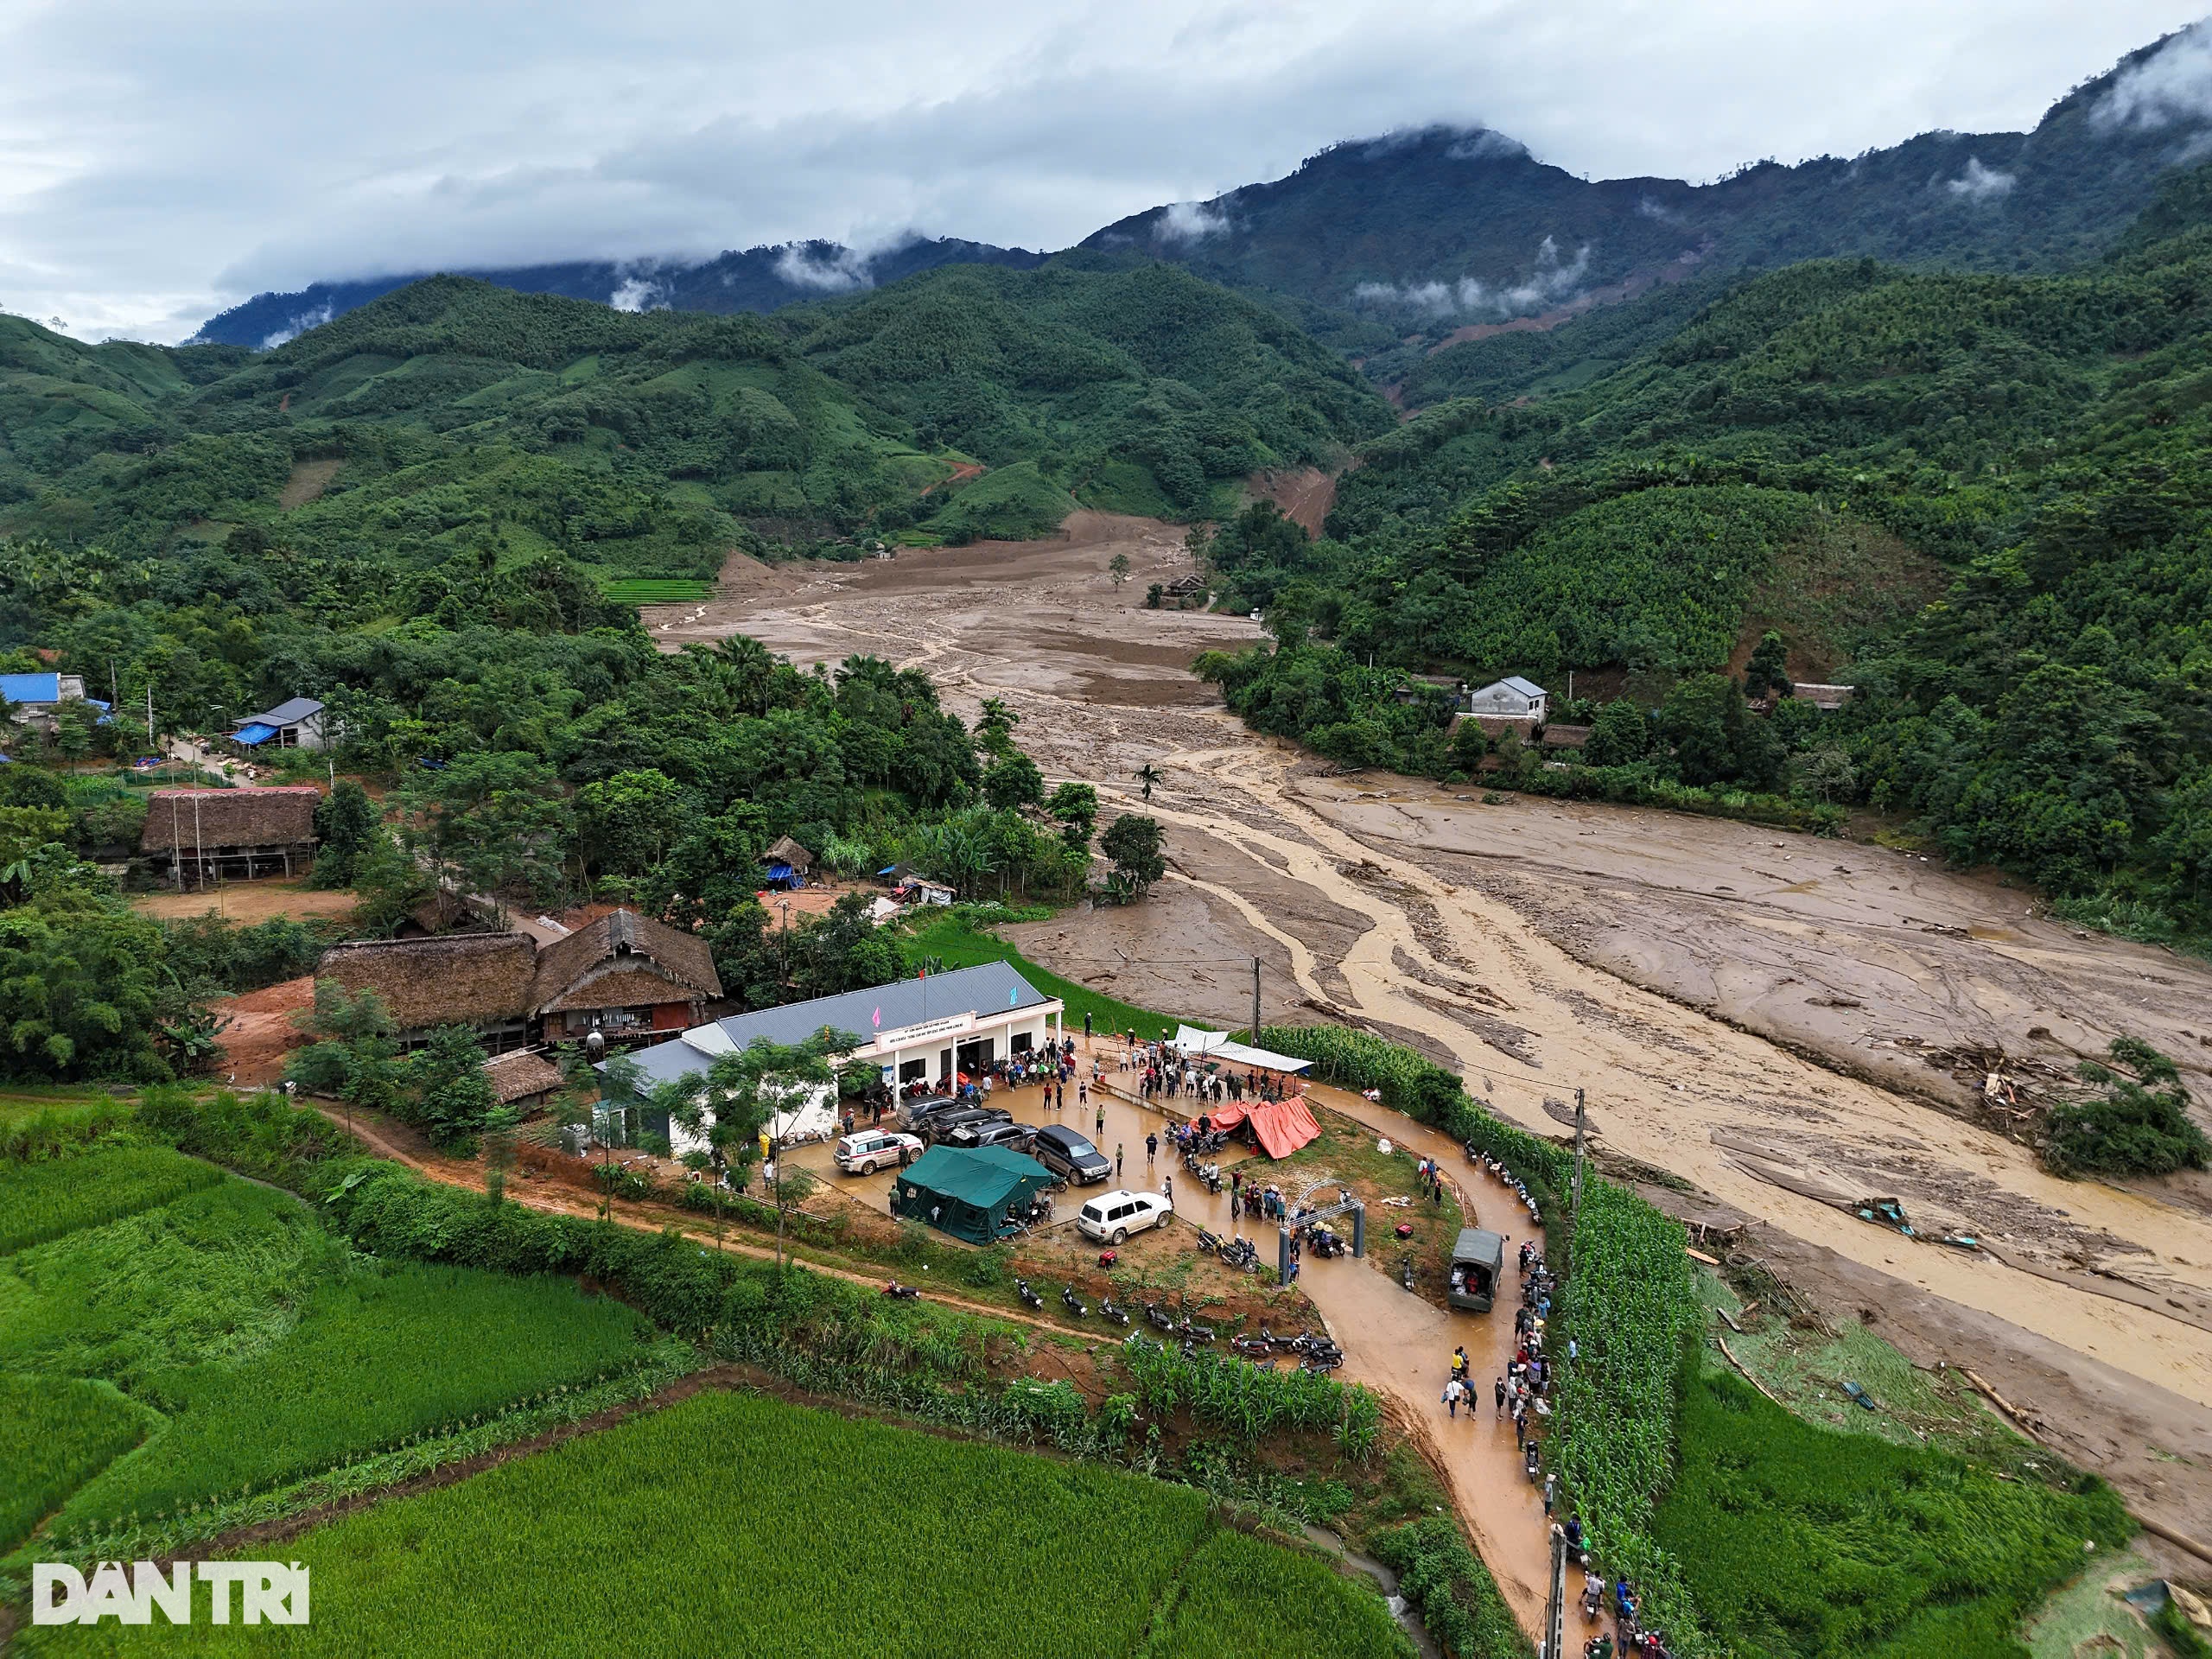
x,y
967,1193
525,1078
789,864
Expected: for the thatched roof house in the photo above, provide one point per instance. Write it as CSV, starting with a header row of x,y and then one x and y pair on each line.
x,y
186,818
212,832
525,1077
623,960
457,979
784,851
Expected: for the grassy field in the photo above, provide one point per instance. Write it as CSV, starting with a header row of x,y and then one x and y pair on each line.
x,y
46,1200
655,590
954,939
55,1433
733,1523
1802,1542
375,1359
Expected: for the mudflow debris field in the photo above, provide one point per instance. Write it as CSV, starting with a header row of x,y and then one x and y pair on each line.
x,y
1786,1023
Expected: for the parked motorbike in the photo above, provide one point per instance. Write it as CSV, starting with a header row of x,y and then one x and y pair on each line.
x,y
901,1293
1240,1253
1029,1297
1320,1364
1406,1271
1191,1327
1210,1177
1252,1345
1107,1310
1072,1302
1530,1464
1156,1319
1209,1242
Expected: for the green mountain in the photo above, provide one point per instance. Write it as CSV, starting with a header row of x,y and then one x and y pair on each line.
x,y
456,418
1820,450
1399,250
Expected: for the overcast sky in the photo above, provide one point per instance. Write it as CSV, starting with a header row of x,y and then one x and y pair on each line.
x,y
161,161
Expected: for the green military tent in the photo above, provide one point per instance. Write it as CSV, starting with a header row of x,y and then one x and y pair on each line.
x,y
967,1193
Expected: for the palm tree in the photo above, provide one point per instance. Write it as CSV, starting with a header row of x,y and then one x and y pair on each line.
x,y
1148,774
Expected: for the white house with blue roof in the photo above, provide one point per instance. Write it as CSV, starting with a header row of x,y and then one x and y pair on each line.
x,y
296,723
38,697
924,1030
1510,698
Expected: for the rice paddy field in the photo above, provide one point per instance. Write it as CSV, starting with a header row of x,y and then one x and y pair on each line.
x,y
375,1358
56,1432
45,1200
734,1523
654,590
173,1337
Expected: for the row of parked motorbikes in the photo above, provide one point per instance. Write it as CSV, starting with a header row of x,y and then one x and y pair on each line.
x,y
1109,1310
1312,1353
1240,1253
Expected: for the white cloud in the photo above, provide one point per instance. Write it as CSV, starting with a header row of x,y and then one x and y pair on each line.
x,y
827,271
312,318
159,161
1185,222
2171,88
1551,281
636,294
1978,183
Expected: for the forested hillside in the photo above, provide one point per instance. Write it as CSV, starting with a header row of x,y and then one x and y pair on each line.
x,y
460,430
1817,451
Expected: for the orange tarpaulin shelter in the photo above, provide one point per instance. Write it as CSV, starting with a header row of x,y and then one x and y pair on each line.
x,y
1281,1127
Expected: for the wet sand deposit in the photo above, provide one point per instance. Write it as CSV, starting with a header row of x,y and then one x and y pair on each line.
x,y
1751,1011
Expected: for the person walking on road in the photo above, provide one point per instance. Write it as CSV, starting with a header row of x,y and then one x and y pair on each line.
x,y
1168,1189
1497,1389
1151,1147
1117,1160
1453,1390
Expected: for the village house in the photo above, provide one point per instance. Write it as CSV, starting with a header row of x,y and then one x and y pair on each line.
x,y
1510,698
192,836
296,724
38,697
482,981
788,863
625,976
923,1032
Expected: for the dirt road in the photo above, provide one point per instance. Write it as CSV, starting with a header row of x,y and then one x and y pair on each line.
x,y
1673,966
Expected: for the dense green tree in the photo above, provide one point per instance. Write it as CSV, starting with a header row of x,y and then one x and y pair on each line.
x,y
446,1092
346,826
1619,736
1132,842
1013,783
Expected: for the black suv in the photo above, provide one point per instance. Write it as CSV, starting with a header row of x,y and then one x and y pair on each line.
x,y
938,1127
1014,1137
1067,1154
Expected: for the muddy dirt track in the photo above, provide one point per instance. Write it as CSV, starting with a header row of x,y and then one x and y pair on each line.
x,y
1776,1020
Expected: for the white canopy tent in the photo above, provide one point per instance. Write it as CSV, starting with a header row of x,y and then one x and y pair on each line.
x,y
1220,1045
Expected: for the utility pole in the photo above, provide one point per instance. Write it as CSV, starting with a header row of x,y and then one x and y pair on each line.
x,y
1555,1609
1581,1126
1256,1002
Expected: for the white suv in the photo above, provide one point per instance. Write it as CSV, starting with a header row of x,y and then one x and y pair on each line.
x,y
1114,1215
873,1149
